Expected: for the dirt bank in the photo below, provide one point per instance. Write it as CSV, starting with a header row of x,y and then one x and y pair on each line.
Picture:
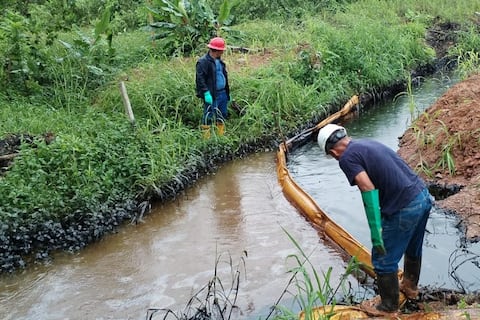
x,y
443,145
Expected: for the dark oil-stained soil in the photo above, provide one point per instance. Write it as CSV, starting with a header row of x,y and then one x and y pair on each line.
x,y
10,146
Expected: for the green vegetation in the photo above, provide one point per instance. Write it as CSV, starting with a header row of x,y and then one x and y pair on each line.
x,y
312,288
60,68
446,160
182,26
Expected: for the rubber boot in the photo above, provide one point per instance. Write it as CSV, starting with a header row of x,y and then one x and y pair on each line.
x,y
387,305
389,292
205,131
411,275
220,129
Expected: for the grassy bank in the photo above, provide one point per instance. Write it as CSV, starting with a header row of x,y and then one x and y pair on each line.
x,y
99,171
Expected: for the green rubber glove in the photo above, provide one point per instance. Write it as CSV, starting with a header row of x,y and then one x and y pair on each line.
x,y
371,203
208,97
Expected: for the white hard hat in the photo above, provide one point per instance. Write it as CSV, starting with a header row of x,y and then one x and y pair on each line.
x,y
329,135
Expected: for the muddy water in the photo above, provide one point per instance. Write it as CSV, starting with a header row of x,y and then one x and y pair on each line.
x,y
448,261
164,261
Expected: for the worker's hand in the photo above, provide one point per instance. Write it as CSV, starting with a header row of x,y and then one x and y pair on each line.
x,y
208,98
380,249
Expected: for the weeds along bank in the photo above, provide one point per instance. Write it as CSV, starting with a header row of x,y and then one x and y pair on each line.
x,y
99,171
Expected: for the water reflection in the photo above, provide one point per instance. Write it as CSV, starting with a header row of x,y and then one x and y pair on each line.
x,y
163,262
226,203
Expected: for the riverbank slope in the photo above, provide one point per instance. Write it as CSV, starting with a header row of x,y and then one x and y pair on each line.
x,y
443,145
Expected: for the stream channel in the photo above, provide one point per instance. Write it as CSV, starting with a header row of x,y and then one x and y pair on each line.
x,y
236,221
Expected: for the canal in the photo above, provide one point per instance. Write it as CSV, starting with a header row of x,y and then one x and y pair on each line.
x,y
233,222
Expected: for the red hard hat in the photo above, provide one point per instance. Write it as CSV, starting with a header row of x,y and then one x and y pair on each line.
x,y
217,43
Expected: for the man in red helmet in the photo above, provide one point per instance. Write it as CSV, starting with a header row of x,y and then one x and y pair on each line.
x,y
212,86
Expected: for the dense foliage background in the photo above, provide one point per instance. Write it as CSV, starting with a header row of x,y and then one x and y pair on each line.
x,y
85,169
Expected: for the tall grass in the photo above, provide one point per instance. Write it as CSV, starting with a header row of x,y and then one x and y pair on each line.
x,y
411,99
445,9
468,52
270,35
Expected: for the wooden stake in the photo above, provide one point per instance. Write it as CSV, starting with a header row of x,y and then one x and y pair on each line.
x,y
126,103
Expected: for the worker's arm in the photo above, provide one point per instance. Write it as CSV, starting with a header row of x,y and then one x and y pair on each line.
x,y
371,203
201,76
363,182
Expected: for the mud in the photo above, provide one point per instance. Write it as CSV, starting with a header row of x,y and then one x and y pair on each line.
x,y
449,129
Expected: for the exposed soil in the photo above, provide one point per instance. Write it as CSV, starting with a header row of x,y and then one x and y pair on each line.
x,y
450,128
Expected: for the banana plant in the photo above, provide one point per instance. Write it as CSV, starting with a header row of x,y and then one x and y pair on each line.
x,y
181,26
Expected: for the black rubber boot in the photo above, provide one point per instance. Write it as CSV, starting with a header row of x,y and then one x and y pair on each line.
x,y
389,292
386,303
411,275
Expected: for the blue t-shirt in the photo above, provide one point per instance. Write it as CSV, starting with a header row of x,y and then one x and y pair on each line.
x,y
219,76
396,182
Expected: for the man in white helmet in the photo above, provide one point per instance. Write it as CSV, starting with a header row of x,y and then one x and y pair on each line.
x,y
397,204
